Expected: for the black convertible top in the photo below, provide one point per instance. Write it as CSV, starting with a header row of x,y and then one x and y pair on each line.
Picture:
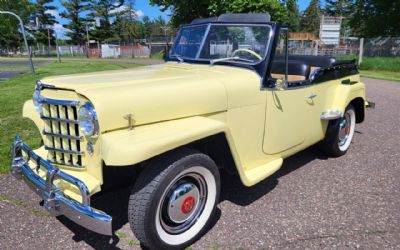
x,y
235,18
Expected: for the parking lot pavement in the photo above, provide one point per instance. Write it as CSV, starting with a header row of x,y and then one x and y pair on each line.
x,y
312,202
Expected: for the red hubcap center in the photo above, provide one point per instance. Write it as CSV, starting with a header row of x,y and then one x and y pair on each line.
x,y
346,129
188,205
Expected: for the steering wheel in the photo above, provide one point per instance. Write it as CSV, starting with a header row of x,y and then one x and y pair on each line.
x,y
253,53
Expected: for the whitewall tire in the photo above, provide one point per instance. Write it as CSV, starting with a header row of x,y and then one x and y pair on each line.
x,y
339,134
174,199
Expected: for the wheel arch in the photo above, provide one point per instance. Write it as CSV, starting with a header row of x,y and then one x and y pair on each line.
x,y
359,106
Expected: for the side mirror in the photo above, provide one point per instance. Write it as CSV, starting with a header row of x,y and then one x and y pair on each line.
x,y
281,84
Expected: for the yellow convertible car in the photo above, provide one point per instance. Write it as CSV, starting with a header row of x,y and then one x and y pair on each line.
x,y
228,100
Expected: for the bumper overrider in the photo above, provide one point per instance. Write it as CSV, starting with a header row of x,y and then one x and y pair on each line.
x,y
54,201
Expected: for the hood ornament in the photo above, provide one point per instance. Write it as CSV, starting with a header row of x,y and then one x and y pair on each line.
x,y
131,121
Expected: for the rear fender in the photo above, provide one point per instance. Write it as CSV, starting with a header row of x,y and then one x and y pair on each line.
x,y
345,94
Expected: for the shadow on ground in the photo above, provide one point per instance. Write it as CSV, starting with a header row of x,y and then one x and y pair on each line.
x,y
115,203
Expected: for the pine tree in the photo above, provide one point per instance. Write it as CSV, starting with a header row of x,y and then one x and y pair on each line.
x,y
10,37
45,21
336,8
293,15
310,21
102,13
77,23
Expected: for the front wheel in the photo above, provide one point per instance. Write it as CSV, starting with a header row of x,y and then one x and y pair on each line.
x,y
174,199
340,133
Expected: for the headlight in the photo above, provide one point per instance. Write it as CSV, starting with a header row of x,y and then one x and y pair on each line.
x,y
87,118
37,98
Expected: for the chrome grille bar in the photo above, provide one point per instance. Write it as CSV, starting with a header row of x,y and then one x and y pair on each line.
x,y
67,136
64,151
57,119
59,102
63,139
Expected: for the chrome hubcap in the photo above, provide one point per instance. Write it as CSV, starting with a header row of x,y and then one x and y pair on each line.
x,y
183,203
344,129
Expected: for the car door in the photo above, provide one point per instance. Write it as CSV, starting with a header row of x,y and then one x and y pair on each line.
x,y
288,114
288,110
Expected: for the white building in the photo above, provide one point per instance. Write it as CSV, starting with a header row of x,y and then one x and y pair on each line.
x,y
329,31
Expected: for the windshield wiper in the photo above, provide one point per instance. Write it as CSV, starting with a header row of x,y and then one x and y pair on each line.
x,y
179,57
212,62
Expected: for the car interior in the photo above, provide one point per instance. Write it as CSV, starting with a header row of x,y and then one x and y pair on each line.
x,y
300,68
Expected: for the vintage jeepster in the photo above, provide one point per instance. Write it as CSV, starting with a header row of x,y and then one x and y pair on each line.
x,y
229,100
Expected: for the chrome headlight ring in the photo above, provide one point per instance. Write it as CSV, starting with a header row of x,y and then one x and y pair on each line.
x,y
87,118
37,99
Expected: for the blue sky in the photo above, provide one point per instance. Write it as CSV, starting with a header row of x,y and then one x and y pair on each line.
x,y
143,7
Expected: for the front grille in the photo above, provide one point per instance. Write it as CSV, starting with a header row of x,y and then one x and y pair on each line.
x,y
62,134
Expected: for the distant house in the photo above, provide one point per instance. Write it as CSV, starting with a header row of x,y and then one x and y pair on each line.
x,y
329,32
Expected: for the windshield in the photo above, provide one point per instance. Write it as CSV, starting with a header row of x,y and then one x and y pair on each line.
x,y
239,43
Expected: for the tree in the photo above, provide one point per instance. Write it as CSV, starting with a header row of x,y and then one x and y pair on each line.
x,y
102,13
126,25
310,20
337,8
43,15
371,18
293,15
77,23
184,11
10,38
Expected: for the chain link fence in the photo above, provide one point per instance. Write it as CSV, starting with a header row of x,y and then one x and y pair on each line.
x,y
157,46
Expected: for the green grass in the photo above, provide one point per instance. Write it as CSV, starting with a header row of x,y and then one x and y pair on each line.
x,y
386,68
14,92
384,75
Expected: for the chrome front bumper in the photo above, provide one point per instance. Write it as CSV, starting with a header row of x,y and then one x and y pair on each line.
x,y
54,201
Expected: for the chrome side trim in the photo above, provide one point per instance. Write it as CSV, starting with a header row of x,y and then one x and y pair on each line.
x,y
64,151
55,202
70,137
59,119
331,114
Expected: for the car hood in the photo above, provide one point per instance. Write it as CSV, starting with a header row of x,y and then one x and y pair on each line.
x,y
149,94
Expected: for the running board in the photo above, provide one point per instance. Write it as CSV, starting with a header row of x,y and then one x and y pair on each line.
x,y
261,172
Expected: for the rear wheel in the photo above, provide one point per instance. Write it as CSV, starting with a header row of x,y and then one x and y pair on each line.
x,y
340,133
173,200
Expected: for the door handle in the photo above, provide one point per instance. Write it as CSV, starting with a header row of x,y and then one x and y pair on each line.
x,y
312,96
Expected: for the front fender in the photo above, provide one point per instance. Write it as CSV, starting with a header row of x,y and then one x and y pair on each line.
x,y
30,112
128,147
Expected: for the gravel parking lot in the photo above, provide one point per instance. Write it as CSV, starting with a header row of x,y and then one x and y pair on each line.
x,y
312,202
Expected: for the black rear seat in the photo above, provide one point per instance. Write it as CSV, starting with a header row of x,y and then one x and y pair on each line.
x,y
295,68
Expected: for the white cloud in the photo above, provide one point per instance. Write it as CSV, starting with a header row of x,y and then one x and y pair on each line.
x,y
54,13
139,13
119,9
60,30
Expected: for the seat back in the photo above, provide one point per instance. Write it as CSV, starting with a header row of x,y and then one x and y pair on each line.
x,y
315,62
297,70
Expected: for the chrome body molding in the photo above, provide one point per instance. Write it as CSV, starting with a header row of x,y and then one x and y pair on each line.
x,y
331,114
54,201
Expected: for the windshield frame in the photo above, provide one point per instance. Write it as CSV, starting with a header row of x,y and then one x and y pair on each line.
x,y
171,56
